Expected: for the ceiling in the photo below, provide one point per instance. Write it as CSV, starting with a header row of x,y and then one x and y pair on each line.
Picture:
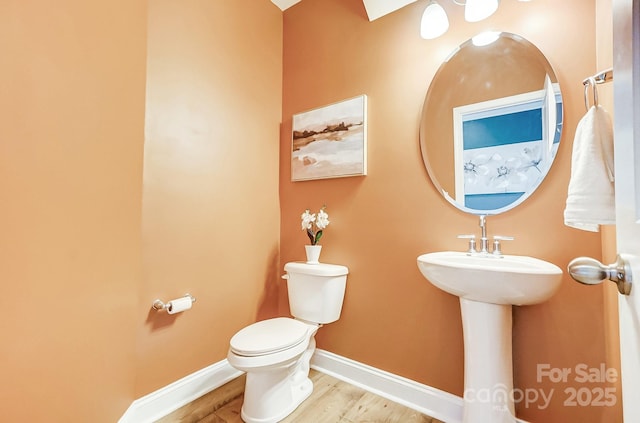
x,y
375,8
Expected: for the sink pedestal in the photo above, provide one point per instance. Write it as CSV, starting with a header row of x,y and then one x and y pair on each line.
x,y
488,286
488,365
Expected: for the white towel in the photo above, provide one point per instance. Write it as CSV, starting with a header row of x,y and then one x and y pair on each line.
x,y
591,198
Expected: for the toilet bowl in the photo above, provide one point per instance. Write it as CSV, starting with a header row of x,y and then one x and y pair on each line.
x,y
276,353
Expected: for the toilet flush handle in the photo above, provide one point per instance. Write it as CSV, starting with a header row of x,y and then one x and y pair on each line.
x,y
285,276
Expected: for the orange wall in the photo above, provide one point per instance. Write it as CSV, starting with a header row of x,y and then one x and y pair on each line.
x,y
210,204
85,249
71,142
393,318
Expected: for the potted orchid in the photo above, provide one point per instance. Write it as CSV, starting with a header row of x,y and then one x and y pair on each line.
x,y
314,225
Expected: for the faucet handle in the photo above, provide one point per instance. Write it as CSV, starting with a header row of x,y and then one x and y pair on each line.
x,y
496,243
472,242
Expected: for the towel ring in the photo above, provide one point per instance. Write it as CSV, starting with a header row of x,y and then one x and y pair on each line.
x,y
591,81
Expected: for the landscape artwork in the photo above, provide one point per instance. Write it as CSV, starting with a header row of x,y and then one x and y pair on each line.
x,y
331,141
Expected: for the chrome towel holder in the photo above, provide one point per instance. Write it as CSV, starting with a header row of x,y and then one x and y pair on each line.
x,y
592,81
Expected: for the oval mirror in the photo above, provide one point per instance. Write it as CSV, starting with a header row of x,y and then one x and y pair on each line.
x,y
491,123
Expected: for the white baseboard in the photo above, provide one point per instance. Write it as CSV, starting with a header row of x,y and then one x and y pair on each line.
x,y
164,401
425,399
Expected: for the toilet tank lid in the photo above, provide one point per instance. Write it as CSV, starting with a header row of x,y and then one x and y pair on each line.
x,y
319,269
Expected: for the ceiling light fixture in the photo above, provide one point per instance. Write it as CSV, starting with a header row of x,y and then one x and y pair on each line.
x,y
434,21
477,10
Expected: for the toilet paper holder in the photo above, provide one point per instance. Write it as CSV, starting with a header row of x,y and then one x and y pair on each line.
x,y
158,305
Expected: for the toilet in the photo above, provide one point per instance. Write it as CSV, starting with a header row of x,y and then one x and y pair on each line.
x,y
276,353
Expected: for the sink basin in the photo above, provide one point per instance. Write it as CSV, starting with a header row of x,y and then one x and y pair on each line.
x,y
512,280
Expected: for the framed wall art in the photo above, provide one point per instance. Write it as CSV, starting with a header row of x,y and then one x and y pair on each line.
x,y
503,148
330,141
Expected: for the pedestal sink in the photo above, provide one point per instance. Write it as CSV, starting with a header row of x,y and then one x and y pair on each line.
x,y
488,286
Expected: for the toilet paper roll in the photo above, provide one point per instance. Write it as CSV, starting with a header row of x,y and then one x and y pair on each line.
x,y
178,305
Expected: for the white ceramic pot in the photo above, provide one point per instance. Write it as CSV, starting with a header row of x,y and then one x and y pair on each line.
x,y
313,253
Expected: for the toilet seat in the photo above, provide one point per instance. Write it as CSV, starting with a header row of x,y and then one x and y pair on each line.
x,y
269,337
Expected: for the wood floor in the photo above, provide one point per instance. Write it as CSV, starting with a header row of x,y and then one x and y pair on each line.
x,y
332,401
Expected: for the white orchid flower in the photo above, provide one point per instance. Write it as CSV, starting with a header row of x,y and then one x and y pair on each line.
x,y
322,220
314,224
307,219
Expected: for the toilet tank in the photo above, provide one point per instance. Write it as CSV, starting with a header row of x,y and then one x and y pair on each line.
x,y
316,291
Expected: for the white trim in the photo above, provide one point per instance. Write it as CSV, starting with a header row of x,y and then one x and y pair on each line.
x,y
284,4
433,402
626,103
425,399
164,401
379,8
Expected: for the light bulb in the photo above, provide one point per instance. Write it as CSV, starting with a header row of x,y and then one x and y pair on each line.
x,y
477,10
434,21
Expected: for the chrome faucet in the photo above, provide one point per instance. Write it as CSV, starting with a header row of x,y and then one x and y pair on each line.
x,y
484,241
484,247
